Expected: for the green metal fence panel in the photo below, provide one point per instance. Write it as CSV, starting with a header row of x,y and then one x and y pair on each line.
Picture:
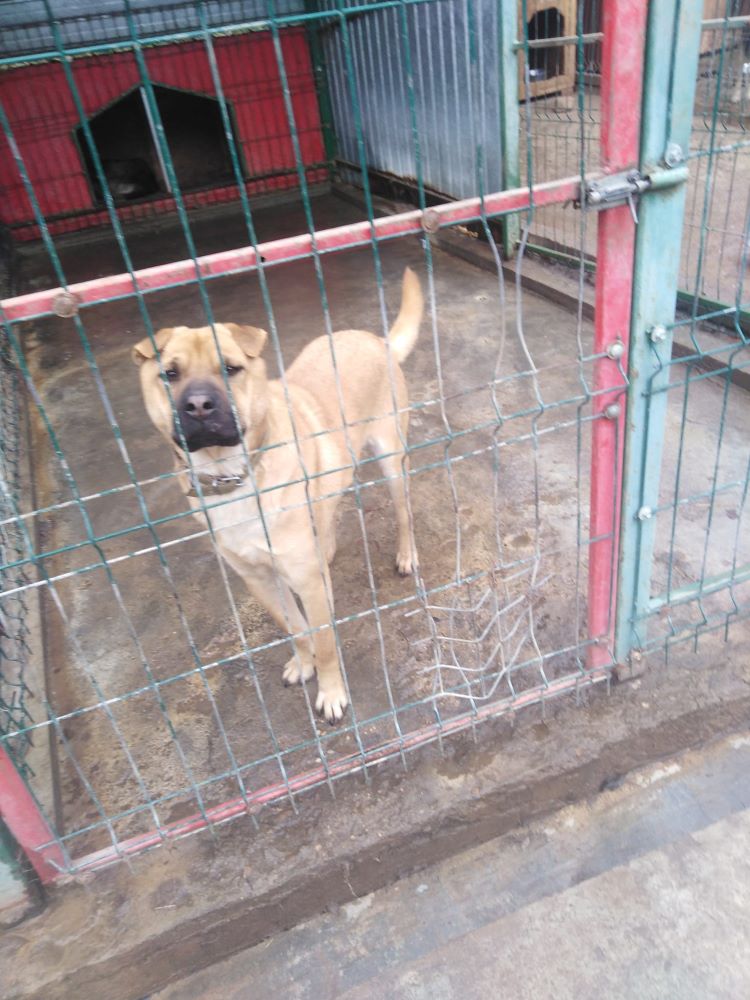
x,y
161,701
681,572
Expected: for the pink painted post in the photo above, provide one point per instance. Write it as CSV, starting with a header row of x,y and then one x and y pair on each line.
x,y
21,815
624,28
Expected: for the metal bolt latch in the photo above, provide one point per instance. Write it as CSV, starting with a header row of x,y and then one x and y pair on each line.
x,y
616,350
66,304
616,189
657,333
430,220
644,514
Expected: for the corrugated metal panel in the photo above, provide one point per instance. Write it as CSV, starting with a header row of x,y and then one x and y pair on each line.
x,y
25,29
456,99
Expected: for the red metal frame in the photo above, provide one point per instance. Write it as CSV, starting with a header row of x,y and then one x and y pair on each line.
x,y
292,248
21,815
623,47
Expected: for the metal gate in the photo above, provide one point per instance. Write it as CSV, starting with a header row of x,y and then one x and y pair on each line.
x,y
506,433
676,584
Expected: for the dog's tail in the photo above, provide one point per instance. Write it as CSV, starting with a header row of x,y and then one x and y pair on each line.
x,y
403,335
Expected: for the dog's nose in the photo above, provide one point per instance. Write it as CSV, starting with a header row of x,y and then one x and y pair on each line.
x,y
199,405
204,418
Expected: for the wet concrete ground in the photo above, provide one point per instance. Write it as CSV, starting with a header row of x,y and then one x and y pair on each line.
x,y
642,891
143,723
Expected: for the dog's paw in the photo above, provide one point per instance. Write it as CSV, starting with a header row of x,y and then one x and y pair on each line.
x,y
406,562
298,669
331,702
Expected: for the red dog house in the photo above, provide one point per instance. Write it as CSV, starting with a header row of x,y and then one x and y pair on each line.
x,y
47,130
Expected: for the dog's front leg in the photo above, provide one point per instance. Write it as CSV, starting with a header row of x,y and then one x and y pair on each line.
x,y
315,593
273,593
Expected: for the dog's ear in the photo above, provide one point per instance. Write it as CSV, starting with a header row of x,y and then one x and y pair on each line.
x,y
251,339
144,349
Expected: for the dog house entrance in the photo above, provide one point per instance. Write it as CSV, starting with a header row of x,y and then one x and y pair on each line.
x,y
551,68
125,138
546,62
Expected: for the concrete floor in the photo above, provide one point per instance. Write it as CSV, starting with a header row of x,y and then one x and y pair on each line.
x,y
187,736
643,891
143,924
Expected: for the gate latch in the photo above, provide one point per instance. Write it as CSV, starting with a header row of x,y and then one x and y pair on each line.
x,y
616,189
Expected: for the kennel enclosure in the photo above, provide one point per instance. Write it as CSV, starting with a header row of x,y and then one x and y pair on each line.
x,y
546,454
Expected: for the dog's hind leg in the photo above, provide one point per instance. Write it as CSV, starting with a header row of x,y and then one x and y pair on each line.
x,y
395,466
274,594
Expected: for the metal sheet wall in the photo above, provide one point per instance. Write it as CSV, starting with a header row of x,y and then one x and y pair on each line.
x,y
453,48
25,27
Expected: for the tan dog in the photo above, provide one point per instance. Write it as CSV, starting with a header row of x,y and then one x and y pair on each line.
x,y
282,539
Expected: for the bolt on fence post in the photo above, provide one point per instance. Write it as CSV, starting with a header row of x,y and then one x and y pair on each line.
x,y
668,96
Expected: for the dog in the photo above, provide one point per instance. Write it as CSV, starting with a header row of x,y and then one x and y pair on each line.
x,y
128,179
301,438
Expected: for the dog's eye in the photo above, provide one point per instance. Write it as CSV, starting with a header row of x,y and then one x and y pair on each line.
x,y
171,374
232,369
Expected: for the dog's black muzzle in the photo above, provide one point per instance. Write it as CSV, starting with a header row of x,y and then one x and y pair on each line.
x,y
205,418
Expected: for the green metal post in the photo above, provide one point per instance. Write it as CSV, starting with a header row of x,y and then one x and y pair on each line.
x,y
668,95
320,73
509,116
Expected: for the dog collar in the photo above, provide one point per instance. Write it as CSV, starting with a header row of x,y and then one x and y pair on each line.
x,y
205,485
211,485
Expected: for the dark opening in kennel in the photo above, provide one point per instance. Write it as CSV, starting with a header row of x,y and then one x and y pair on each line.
x,y
129,151
548,61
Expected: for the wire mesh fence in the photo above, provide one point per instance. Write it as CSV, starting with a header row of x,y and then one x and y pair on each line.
x,y
165,695
702,560
157,681
561,112
183,575
14,630
716,218
559,121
